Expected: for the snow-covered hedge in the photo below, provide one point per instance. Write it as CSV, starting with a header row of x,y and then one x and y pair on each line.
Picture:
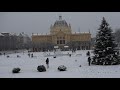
x,y
41,68
16,70
62,68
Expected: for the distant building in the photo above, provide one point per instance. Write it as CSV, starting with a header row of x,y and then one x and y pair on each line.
x,y
24,41
9,41
61,35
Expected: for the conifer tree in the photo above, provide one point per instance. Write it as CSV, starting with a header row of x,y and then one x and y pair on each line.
x,y
105,52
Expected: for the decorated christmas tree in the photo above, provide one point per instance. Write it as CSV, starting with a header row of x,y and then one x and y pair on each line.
x,y
105,50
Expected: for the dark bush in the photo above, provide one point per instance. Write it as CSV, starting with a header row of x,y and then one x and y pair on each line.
x,y
75,60
62,68
54,57
18,56
8,56
41,68
16,70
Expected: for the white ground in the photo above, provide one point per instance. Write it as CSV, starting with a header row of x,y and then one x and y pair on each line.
x,y
29,66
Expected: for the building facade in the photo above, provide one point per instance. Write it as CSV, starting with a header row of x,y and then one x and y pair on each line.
x,y
24,41
10,41
61,35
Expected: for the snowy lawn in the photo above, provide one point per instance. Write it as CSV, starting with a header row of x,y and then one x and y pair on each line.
x,y
29,65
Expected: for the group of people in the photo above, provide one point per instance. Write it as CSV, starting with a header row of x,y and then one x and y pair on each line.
x,y
1,53
30,55
69,54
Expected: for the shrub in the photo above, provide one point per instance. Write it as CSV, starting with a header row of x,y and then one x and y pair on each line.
x,y
75,60
62,68
54,57
16,70
8,56
41,68
18,56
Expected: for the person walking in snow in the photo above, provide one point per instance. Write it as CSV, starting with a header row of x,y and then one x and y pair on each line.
x,y
32,55
47,62
88,53
89,61
69,55
29,54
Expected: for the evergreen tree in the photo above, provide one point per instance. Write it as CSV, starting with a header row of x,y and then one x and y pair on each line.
x,y
105,52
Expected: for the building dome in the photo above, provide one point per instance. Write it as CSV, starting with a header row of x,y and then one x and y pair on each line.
x,y
60,22
60,25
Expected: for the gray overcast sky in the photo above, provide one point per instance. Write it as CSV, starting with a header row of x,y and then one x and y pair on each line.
x,y
39,22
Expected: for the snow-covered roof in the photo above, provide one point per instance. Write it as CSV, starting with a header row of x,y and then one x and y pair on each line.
x,y
1,34
5,33
23,35
80,32
41,34
13,34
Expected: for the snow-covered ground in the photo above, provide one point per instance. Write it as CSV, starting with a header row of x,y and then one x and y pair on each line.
x,y
29,66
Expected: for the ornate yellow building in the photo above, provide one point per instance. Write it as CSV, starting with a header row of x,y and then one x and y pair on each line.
x,y
61,35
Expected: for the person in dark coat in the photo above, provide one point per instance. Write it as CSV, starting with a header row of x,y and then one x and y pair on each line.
x,y
47,62
88,53
32,55
29,54
89,61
